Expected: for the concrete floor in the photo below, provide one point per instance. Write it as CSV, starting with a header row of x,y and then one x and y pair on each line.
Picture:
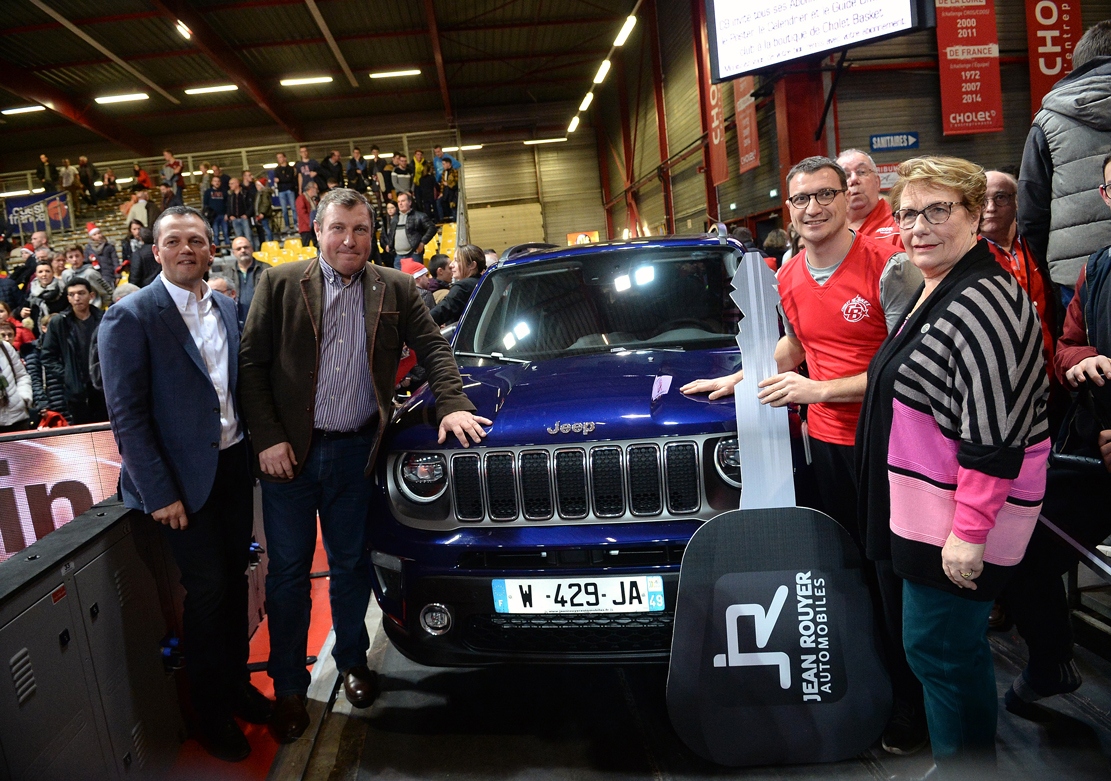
x,y
609,722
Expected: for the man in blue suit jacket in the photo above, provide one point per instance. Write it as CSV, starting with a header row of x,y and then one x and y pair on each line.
x,y
169,358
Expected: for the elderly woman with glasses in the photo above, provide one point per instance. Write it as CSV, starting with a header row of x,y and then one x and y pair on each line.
x,y
951,447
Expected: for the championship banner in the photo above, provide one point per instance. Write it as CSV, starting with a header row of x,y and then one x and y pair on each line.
x,y
49,478
30,213
715,121
1053,27
774,658
968,64
744,111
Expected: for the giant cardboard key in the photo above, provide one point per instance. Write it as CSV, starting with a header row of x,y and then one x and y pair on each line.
x,y
773,658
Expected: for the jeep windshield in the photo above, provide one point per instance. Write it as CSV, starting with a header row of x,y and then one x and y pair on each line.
x,y
636,299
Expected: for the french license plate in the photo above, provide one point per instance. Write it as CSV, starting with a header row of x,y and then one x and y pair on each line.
x,y
634,594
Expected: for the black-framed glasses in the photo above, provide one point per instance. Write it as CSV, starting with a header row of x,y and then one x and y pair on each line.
x,y
1105,188
1001,199
935,214
824,197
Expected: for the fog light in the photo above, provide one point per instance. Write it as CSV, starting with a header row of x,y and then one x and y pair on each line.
x,y
435,618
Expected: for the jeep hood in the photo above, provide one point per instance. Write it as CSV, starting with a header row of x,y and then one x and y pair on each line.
x,y
608,396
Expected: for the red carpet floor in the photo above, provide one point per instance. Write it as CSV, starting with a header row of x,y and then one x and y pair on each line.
x,y
194,763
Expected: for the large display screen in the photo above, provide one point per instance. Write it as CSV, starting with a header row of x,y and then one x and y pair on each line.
x,y
49,478
750,35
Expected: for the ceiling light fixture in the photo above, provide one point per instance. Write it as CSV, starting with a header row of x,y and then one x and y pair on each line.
x,y
22,110
626,29
603,69
123,98
14,193
464,148
533,141
184,30
574,124
269,165
395,74
215,88
307,80
586,101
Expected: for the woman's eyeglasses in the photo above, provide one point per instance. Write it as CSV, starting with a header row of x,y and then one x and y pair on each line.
x,y
935,214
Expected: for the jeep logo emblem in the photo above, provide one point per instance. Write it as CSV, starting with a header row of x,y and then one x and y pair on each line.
x,y
577,428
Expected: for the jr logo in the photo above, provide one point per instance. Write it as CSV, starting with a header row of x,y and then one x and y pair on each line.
x,y
765,625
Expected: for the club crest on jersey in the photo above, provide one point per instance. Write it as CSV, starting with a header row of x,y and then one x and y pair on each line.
x,y
856,309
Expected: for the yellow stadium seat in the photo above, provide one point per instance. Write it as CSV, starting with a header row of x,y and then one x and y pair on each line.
x,y
263,256
271,246
292,244
308,253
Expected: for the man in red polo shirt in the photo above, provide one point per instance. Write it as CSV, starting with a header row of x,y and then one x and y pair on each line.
x,y
999,225
868,212
840,297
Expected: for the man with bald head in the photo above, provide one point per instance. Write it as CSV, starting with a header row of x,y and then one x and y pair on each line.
x,y
999,225
869,214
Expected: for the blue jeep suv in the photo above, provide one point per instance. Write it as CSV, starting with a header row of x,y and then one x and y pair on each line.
x,y
559,538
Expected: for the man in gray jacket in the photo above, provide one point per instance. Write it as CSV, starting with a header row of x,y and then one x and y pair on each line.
x,y
1059,209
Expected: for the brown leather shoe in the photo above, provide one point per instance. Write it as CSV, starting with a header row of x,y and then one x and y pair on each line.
x,y
360,684
290,719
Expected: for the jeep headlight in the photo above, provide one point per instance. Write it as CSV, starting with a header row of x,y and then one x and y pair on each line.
x,y
422,476
727,460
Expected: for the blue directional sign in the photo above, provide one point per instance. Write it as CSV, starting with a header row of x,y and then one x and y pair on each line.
x,y
890,142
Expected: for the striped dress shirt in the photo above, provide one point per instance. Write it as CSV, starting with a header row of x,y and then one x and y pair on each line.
x,y
344,387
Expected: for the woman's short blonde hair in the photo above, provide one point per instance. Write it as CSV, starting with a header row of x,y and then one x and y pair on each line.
x,y
953,173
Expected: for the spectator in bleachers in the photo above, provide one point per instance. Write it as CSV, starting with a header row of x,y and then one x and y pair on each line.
x,y
144,268
240,206
49,393
375,179
48,297
79,269
219,179
101,254
140,179
23,334
206,176
420,276
409,231
245,275
284,177
357,168
222,286
47,173
247,180
776,246
108,188
331,170
307,171
140,210
87,175
424,183
214,203
468,267
438,158
306,211
449,192
9,290
439,269
171,172
65,352
402,176
387,175
16,392
132,241
385,254
168,196
71,183
58,263
264,210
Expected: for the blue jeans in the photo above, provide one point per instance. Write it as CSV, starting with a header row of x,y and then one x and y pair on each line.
x,y
287,204
241,226
264,223
946,641
220,228
331,483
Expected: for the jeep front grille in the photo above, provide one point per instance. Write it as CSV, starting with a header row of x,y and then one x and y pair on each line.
x,y
575,483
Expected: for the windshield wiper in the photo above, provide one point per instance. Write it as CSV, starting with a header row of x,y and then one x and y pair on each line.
x,y
493,356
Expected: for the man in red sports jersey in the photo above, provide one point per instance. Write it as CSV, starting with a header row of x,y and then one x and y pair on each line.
x,y
868,212
840,297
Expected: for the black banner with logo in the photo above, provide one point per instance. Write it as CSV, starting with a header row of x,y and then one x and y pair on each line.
x,y
774,658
